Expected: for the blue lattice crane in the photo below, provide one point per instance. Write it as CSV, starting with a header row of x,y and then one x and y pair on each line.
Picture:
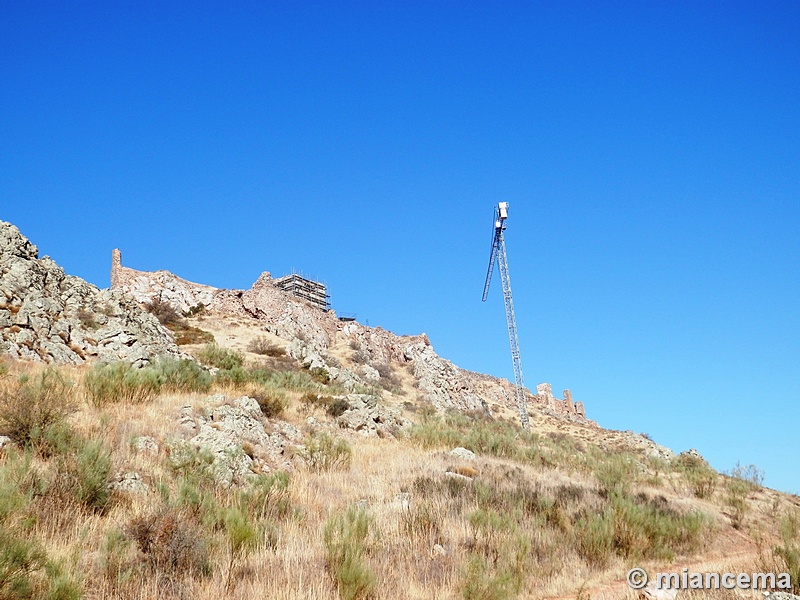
x,y
498,255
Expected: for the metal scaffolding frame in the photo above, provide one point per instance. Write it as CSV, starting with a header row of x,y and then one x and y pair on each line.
x,y
314,292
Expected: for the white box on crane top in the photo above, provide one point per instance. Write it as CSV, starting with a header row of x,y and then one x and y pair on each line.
x,y
502,209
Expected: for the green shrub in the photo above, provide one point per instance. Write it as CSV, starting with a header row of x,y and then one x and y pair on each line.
x,y
702,479
221,358
263,346
236,376
320,375
484,581
325,453
195,466
20,559
647,528
267,497
60,586
120,382
272,402
92,468
750,474
736,499
35,402
616,473
15,494
787,552
117,556
182,375
477,433
298,381
345,538
242,535
594,537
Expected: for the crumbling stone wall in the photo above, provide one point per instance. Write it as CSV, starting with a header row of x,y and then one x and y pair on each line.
x,y
158,285
314,331
565,406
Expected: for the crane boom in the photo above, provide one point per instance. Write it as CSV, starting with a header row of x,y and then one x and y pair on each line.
x,y
498,255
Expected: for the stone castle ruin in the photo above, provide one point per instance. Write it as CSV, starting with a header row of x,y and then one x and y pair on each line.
x,y
297,309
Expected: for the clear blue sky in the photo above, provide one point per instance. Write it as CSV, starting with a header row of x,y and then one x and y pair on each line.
x,y
650,153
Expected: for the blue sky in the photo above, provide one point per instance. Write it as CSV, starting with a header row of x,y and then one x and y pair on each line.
x,y
650,153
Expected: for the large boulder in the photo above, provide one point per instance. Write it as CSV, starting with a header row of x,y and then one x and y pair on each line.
x,y
47,315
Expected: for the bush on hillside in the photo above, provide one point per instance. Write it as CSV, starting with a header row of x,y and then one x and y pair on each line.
x,y
117,382
164,312
325,453
32,403
263,346
222,358
345,538
122,382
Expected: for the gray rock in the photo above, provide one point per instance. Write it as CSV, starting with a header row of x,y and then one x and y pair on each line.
x,y
369,418
145,445
48,316
4,441
369,373
129,483
226,427
462,453
458,476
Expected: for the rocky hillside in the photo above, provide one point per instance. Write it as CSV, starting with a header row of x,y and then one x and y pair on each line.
x,y
313,334
46,315
298,456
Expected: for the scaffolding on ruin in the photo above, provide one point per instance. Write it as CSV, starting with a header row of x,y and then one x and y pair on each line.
x,y
314,292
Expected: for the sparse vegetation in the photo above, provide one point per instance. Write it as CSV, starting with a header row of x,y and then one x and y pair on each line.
x,y
381,516
323,452
272,401
32,403
121,382
164,312
702,479
346,537
263,346
787,552
221,358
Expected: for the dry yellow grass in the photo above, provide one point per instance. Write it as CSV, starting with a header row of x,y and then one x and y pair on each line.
x,y
422,539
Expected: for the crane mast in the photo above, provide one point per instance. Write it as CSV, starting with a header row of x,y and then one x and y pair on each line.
x,y
498,255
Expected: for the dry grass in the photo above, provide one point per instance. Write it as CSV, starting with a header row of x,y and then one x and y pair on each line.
x,y
512,530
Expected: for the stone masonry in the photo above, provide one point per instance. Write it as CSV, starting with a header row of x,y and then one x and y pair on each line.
x,y
312,332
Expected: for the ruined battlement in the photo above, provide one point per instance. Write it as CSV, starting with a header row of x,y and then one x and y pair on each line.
x,y
295,309
563,406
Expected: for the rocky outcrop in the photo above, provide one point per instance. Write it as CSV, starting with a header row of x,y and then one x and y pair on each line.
x,y
369,418
46,315
312,331
233,434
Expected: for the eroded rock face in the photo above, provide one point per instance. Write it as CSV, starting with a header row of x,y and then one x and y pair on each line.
x,y
312,332
369,418
233,433
47,315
